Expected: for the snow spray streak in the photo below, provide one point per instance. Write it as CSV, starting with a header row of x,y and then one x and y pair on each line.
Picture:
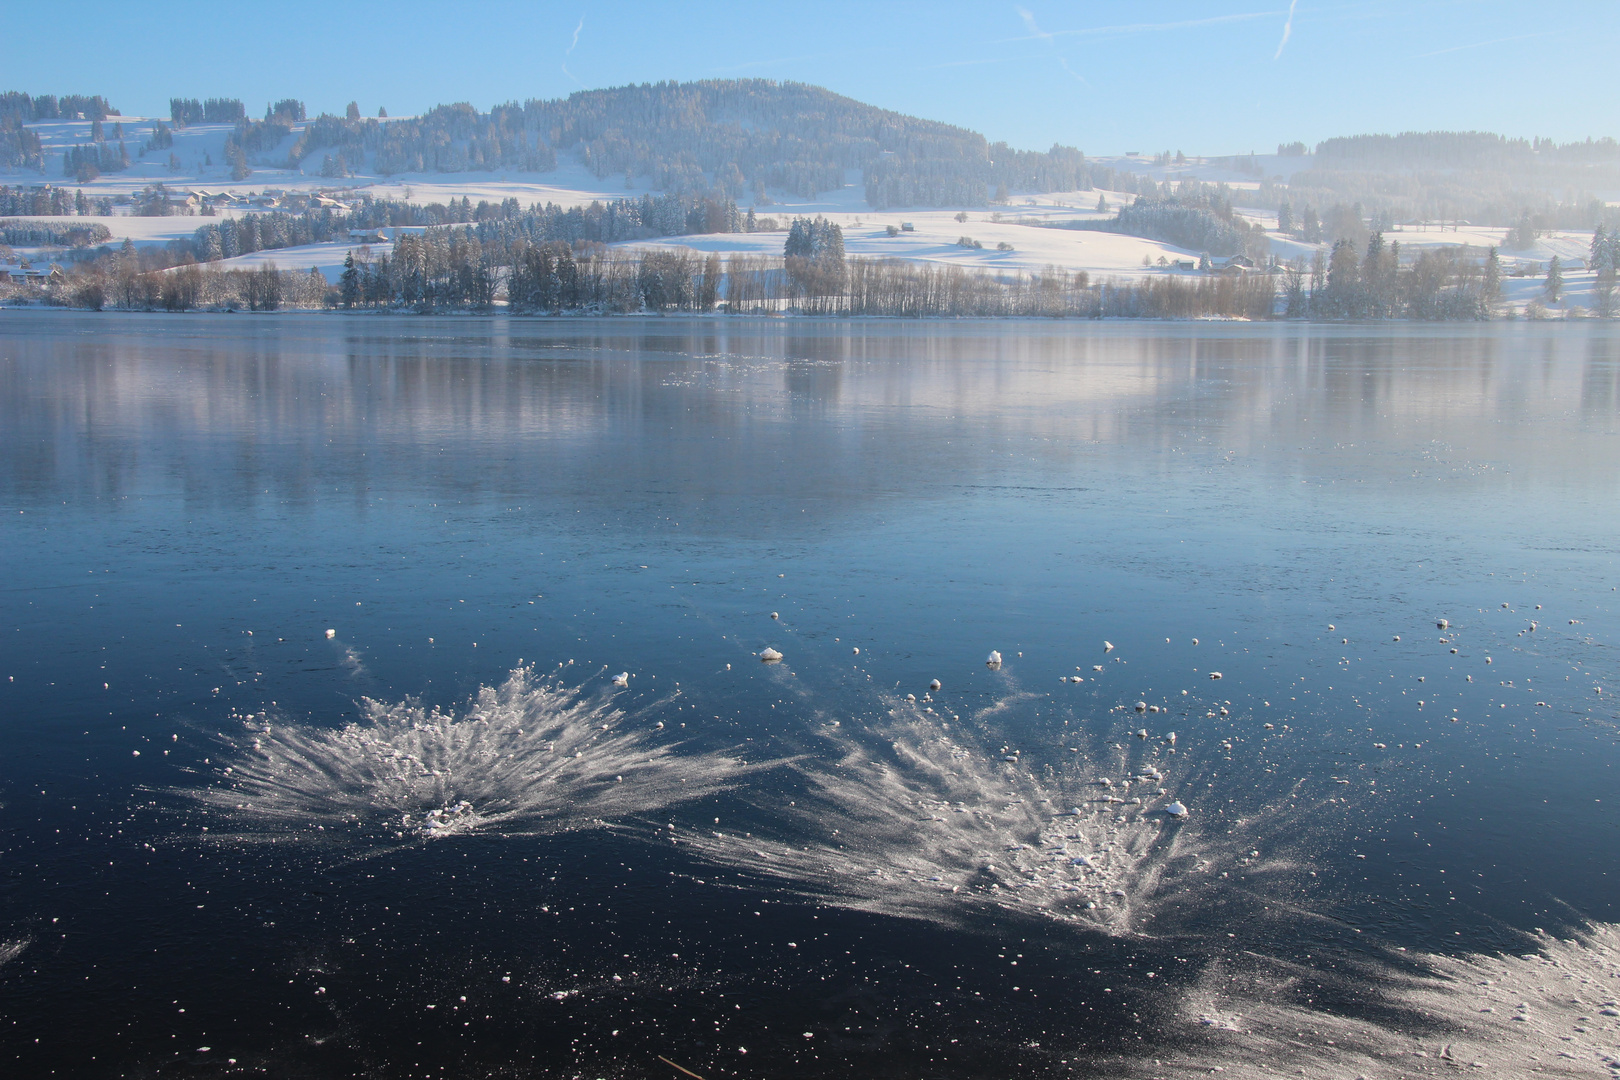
x,y
907,818
1553,1010
13,948
529,756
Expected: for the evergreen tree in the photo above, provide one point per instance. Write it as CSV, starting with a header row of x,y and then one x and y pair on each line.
x,y
798,240
1603,285
1285,217
1377,279
349,282
1294,290
236,158
1342,297
709,288
831,246
1555,279
1522,237
1492,289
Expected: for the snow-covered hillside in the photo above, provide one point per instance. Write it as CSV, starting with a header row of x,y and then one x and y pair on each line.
x,y
1014,236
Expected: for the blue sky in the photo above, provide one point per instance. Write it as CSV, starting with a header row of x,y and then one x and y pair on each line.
x,y
1213,77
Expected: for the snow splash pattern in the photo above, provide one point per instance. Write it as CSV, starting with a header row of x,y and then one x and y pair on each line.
x,y
10,950
911,820
1552,1011
528,756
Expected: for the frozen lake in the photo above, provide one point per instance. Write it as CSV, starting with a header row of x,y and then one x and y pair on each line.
x,y
315,762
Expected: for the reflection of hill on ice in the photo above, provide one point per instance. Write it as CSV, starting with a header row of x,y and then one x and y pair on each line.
x,y
528,756
910,820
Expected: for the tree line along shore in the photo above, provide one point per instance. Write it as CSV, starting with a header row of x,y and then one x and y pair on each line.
x,y
548,259
450,269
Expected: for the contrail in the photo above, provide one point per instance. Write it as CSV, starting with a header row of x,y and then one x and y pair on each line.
x,y
1135,28
1029,21
1288,29
1482,44
570,51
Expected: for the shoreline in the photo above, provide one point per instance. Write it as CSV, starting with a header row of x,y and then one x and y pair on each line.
x,y
793,316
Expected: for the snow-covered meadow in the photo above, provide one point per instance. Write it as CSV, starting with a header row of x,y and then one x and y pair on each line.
x,y
1012,237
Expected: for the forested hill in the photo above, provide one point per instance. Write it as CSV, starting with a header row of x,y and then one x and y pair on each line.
x,y
735,139
1459,150
20,147
1450,175
729,138
745,136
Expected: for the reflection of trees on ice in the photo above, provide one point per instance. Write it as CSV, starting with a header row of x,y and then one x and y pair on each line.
x,y
1552,1011
910,820
526,756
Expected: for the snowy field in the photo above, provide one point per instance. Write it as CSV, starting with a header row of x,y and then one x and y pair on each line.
x,y
934,235
199,163
327,258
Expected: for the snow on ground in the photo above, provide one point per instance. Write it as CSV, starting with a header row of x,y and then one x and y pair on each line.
x,y
1205,169
327,258
934,240
569,184
199,150
934,233
1566,244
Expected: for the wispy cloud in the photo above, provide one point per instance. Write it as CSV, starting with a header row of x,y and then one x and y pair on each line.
x,y
570,52
1482,44
966,63
1036,32
1134,28
1029,22
1288,29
